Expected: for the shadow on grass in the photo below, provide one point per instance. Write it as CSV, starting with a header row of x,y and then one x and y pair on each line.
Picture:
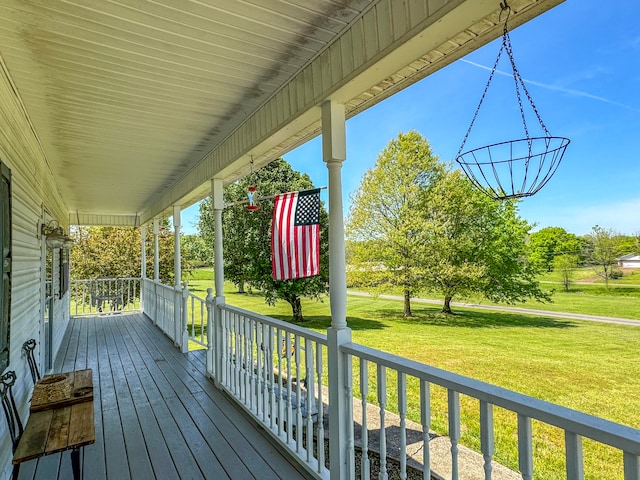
x,y
475,319
322,322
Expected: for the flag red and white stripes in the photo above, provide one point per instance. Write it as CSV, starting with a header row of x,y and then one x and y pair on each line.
x,y
295,235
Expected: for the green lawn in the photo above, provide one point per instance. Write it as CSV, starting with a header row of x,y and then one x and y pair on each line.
x,y
588,366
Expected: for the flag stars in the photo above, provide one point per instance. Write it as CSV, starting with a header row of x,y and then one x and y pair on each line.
x,y
308,208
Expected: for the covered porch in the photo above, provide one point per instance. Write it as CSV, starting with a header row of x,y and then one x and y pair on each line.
x,y
157,414
184,102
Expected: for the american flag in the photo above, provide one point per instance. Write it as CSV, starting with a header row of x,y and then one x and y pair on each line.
x,y
295,235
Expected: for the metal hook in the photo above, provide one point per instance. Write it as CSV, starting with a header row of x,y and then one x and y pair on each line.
x,y
504,6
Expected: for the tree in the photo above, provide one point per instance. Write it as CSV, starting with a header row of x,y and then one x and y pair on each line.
x,y
547,243
115,252
604,251
384,219
196,250
566,265
472,244
247,237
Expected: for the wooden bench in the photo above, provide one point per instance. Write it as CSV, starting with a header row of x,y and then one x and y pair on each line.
x,y
61,418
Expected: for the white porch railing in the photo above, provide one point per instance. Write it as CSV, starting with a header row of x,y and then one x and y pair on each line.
x,y
164,305
275,371
196,319
103,296
575,425
272,368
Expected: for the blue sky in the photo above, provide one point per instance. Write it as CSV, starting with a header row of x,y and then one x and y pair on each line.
x,y
581,64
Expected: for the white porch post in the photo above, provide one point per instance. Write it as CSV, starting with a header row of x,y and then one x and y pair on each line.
x,y
156,267
340,394
143,262
156,250
218,267
143,252
177,274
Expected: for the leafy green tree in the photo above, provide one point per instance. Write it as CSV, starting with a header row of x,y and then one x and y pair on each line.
x,y
247,237
115,252
384,219
474,245
547,243
604,251
625,244
566,264
196,250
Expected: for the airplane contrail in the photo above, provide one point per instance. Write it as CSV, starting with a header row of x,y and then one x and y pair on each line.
x,y
570,91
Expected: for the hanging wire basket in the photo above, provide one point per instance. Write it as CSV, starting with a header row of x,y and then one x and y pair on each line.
x,y
514,168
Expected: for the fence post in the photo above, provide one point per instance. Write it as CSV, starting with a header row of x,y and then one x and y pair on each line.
x,y
185,317
210,332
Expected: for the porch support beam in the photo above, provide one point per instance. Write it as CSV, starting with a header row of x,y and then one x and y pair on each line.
x,y
214,360
143,252
178,316
339,364
156,250
218,258
177,263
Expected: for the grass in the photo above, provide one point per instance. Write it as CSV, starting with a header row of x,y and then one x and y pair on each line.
x,y
587,366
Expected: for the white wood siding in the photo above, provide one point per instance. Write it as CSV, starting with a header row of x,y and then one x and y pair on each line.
x,y
32,190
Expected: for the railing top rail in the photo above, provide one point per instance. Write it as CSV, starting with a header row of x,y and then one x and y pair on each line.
x,y
619,436
291,328
193,295
103,279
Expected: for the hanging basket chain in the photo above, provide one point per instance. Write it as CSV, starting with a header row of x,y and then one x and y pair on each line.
x,y
484,94
501,170
506,42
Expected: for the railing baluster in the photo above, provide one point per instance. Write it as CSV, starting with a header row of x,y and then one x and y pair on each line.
x,y
238,349
382,403
282,394
365,463
573,452
348,393
296,360
487,443
425,419
402,411
321,454
454,430
246,360
525,447
251,365
262,385
310,395
286,353
226,363
270,374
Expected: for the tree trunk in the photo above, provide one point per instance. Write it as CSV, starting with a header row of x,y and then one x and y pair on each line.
x,y
241,287
446,307
407,303
296,308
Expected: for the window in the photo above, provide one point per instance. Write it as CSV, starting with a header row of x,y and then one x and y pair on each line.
x,y
5,243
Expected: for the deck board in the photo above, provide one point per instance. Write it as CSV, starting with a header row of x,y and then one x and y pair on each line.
x,y
157,414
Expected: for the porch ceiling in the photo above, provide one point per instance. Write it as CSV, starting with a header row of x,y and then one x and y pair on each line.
x,y
138,103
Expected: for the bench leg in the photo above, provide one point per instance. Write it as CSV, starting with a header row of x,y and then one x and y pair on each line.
x,y
75,464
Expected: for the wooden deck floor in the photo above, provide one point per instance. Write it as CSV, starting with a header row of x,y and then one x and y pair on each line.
x,y
157,415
